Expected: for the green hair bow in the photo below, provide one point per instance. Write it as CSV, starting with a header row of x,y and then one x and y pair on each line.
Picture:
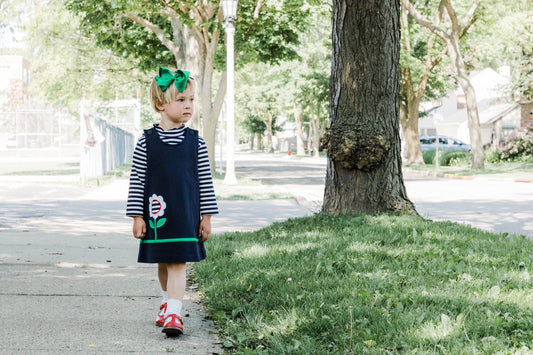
x,y
166,78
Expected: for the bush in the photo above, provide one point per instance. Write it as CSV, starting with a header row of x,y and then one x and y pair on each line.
x,y
429,157
448,157
518,146
492,156
455,158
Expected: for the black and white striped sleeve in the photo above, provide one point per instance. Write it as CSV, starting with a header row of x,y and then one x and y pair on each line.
x,y
137,178
208,202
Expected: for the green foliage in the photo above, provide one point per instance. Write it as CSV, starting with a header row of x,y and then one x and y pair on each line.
x,y
67,65
269,38
273,36
413,55
492,156
254,124
448,157
518,146
456,158
105,21
503,35
382,284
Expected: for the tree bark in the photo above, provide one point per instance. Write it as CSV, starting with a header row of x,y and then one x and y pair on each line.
x,y
471,104
410,123
300,148
269,122
363,143
315,141
260,142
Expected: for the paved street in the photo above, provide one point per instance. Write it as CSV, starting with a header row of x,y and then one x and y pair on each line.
x,y
71,284
500,205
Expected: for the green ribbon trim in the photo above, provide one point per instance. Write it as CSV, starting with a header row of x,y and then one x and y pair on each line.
x,y
165,79
169,240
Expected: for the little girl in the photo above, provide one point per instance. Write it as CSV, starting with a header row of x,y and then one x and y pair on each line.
x,y
171,196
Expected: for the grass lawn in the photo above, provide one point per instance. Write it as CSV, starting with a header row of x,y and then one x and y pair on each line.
x,y
491,170
380,284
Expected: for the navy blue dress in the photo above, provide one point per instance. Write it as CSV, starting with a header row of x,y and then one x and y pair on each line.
x,y
171,201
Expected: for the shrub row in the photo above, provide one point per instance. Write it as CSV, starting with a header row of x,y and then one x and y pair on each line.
x,y
448,157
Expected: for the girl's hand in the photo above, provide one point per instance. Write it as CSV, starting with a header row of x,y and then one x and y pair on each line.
x,y
204,231
139,227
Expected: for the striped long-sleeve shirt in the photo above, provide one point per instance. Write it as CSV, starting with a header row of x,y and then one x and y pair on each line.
x,y
208,203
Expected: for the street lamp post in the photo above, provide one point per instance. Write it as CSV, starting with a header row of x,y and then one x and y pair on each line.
x,y
230,14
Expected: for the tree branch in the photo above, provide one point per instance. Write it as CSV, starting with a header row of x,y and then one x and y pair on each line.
x,y
469,17
465,28
155,29
453,16
430,62
405,34
258,8
423,21
221,93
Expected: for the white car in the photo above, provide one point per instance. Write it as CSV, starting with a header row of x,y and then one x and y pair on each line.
x,y
445,143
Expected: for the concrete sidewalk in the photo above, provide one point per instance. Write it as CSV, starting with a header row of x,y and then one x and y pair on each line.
x,y
70,280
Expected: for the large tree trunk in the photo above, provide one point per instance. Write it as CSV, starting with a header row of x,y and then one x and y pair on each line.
x,y
269,122
300,148
316,136
410,127
260,142
471,103
210,113
526,113
364,163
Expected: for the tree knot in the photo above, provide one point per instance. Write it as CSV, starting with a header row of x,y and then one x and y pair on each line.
x,y
355,147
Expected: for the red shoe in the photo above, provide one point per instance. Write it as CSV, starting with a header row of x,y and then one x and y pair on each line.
x,y
160,320
173,325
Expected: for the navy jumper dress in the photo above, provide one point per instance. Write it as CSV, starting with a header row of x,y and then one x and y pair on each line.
x,y
171,201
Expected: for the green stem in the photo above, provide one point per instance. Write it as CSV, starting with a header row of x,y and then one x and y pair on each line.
x,y
155,228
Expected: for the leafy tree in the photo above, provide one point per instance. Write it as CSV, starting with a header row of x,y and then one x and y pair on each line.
x,y
363,142
421,53
187,34
255,126
504,37
451,36
314,97
309,86
10,19
67,65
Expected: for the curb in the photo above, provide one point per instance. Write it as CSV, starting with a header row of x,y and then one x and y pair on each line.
x,y
466,177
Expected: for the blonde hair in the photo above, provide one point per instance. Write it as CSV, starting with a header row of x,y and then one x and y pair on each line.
x,y
159,98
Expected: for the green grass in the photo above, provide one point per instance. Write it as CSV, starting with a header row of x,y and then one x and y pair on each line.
x,y
32,168
110,176
255,197
384,284
517,169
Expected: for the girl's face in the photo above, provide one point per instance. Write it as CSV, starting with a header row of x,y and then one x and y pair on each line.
x,y
181,109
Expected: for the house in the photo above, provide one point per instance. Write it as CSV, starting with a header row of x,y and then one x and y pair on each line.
x,y
498,115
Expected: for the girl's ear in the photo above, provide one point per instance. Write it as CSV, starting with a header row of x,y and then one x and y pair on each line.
x,y
160,107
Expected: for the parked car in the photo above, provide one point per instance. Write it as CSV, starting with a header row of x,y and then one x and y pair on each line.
x,y
445,143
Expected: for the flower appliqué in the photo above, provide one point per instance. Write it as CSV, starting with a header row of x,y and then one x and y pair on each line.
x,y
156,208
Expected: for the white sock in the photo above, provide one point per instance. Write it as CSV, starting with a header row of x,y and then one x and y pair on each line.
x,y
174,307
165,296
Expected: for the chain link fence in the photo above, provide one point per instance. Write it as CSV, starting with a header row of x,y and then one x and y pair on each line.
x,y
100,144
103,147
